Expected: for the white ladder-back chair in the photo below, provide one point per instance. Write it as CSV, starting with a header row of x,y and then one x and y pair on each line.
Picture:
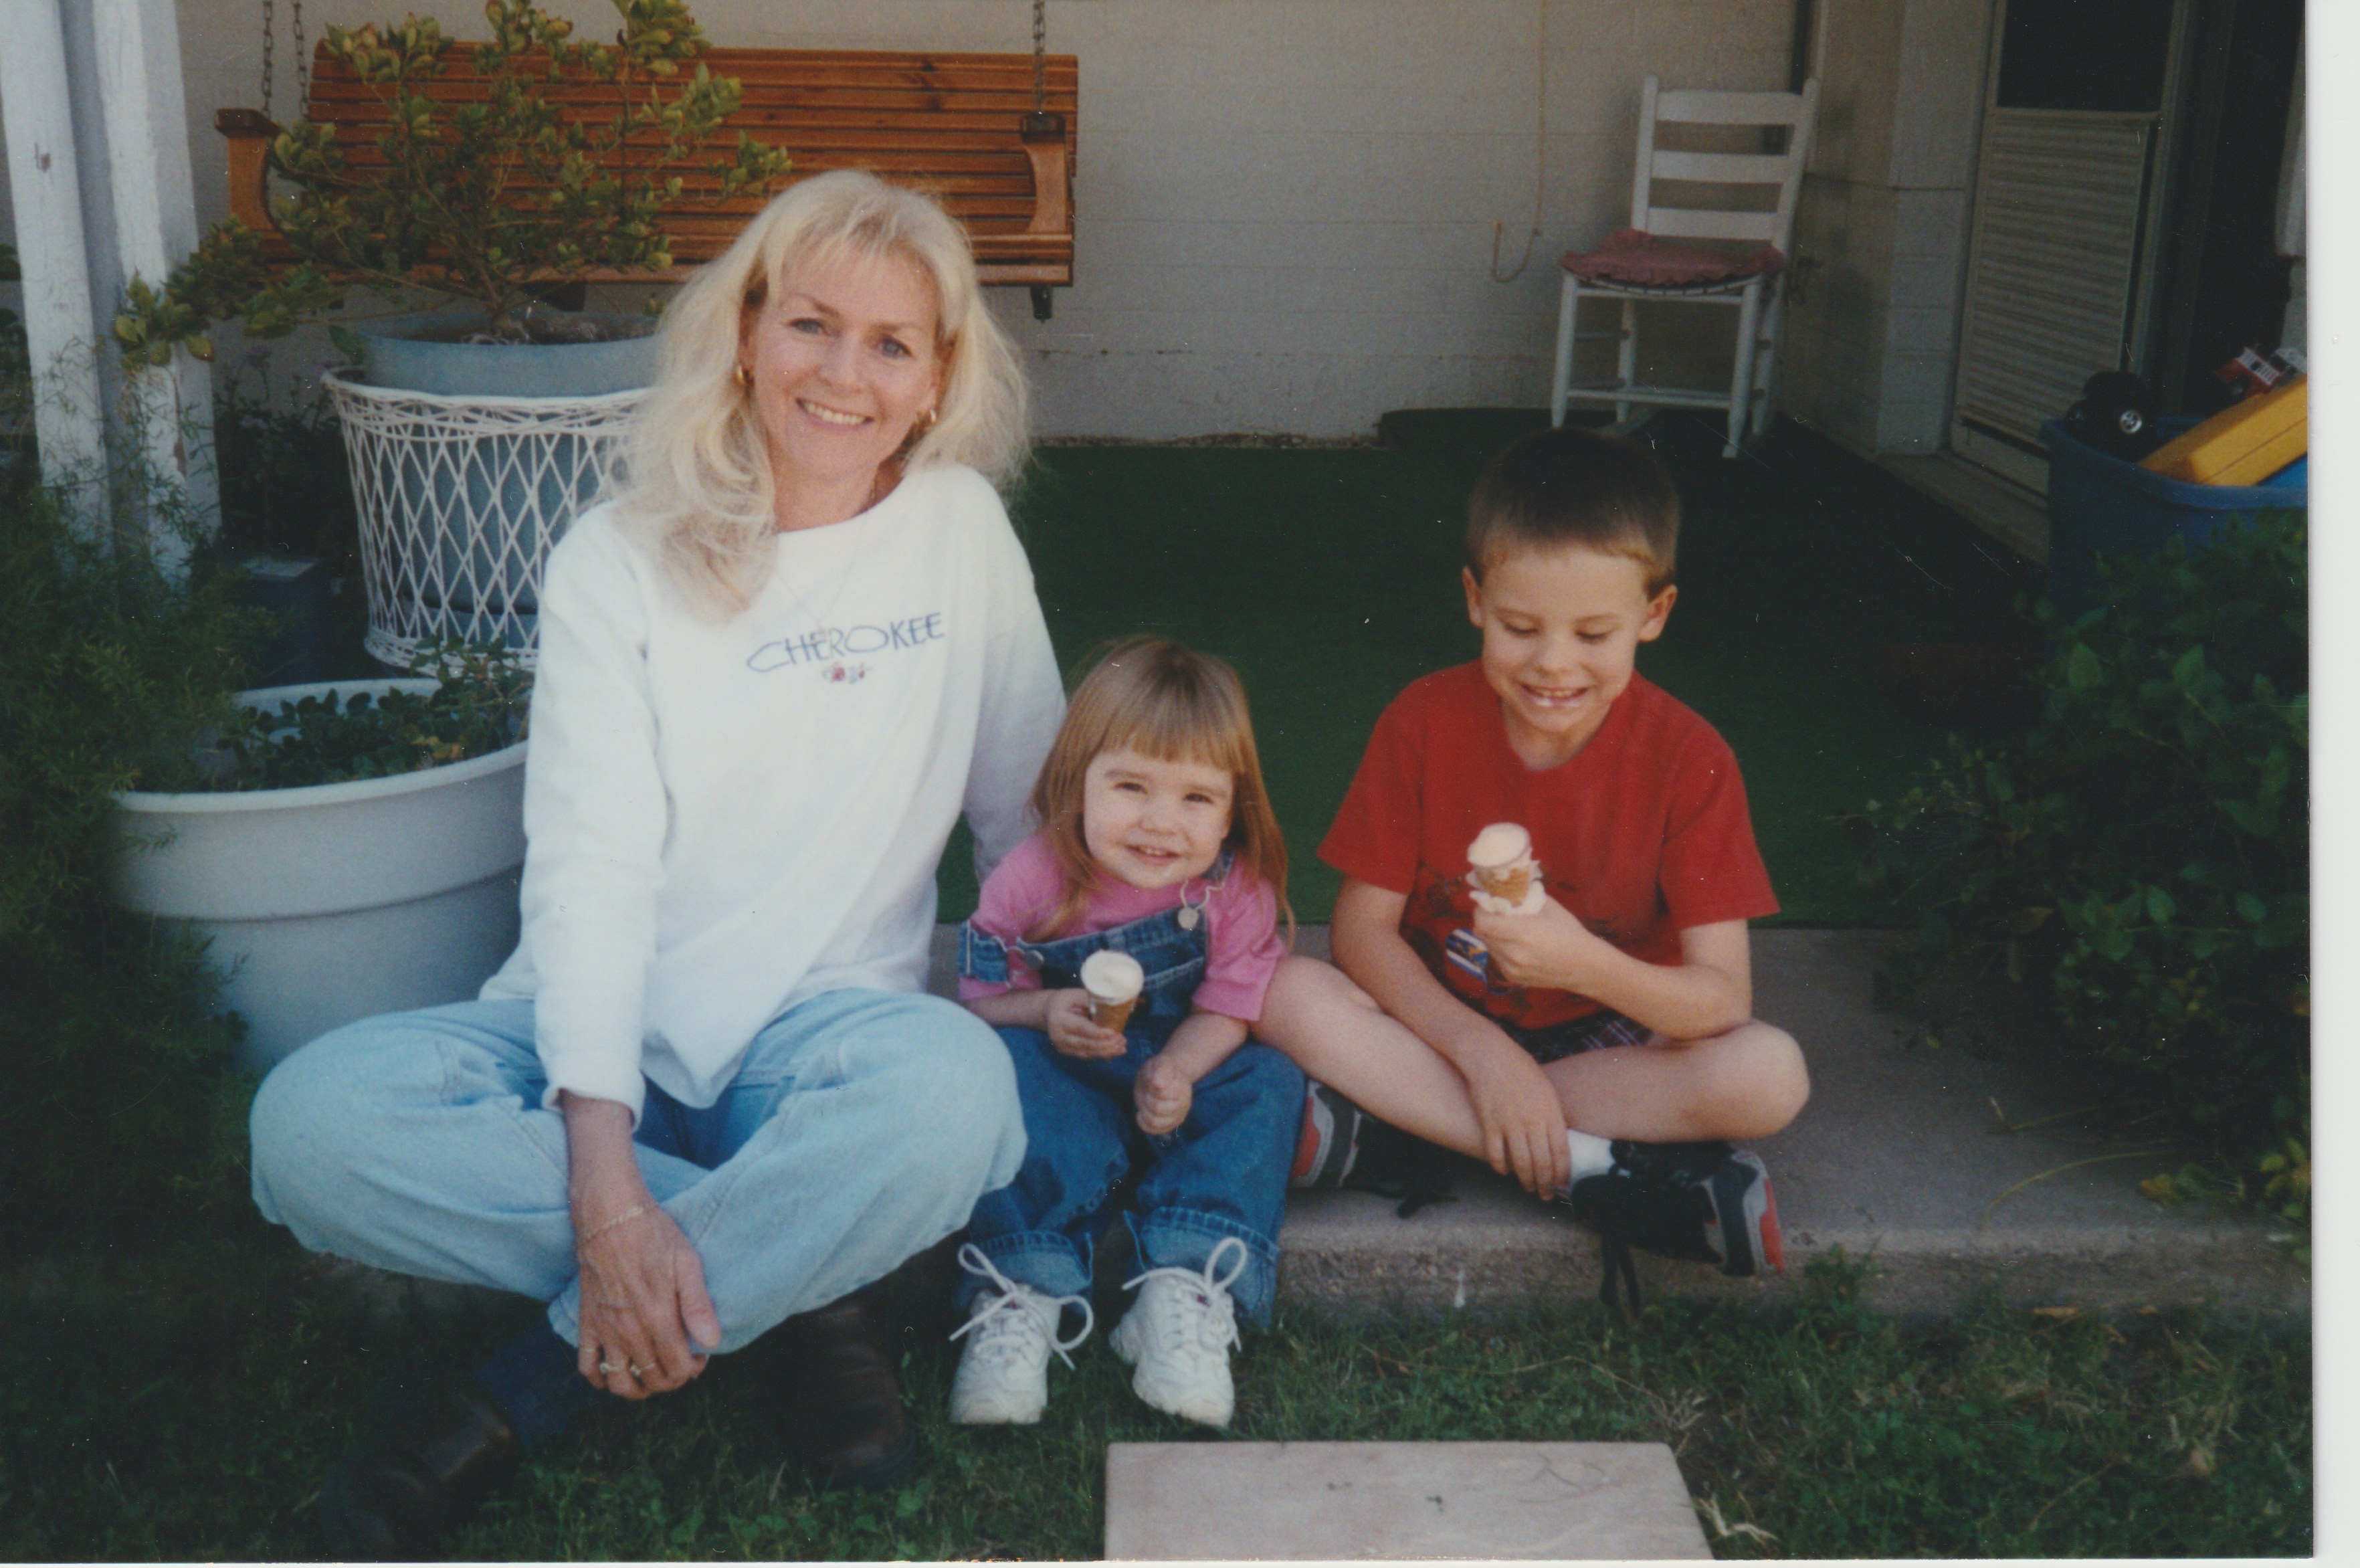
x,y
1633,267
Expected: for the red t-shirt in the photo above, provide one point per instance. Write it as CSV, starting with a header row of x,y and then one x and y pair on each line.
x,y
1642,834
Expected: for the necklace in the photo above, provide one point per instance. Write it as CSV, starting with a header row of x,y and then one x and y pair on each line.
x,y
1192,913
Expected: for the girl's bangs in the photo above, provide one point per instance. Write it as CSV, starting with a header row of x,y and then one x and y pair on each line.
x,y
1168,728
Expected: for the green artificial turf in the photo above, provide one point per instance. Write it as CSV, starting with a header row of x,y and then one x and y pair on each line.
x,y
188,1407
1329,577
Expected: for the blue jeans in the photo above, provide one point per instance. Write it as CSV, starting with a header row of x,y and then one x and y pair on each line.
x,y
860,1129
1222,1172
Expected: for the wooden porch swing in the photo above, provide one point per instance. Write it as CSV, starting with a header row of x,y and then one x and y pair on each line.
x,y
990,136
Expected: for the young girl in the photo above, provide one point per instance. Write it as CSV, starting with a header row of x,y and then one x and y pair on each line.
x,y
1156,841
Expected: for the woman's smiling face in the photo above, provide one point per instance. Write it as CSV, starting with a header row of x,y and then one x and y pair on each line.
x,y
843,360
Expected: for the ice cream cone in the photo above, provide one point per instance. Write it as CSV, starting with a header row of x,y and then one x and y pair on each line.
x,y
1509,886
1113,981
1500,863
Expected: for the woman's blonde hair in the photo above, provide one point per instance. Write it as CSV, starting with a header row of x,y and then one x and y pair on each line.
x,y
1152,696
697,488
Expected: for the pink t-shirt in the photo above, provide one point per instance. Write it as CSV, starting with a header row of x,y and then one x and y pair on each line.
x,y
1241,923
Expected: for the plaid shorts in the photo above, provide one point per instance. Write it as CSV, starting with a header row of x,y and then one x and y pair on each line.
x,y
1590,1031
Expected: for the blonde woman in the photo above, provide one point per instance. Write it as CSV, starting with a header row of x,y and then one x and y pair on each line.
x,y
707,1097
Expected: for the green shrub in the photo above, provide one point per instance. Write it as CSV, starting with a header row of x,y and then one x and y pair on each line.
x,y
123,1113
2143,850
16,386
487,196
479,707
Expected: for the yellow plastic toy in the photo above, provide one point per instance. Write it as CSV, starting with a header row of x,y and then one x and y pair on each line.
x,y
2242,444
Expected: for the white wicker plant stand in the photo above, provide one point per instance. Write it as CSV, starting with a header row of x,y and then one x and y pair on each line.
x,y
460,500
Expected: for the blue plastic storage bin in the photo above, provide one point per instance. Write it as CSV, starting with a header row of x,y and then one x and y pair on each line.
x,y
2102,505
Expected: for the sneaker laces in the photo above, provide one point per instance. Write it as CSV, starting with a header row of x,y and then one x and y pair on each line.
x,y
1618,1283
1217,1327
1651,1196
1017,1314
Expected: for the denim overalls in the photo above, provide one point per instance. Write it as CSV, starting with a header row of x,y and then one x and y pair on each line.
x,y
1222,1172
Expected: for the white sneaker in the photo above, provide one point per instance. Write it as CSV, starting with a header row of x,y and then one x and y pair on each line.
x,y
1003,1373
1179,1332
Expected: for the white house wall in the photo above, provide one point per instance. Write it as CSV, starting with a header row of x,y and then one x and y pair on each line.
x,y
1286,207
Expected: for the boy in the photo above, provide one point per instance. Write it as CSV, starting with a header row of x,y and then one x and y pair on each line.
x,y
1604,1045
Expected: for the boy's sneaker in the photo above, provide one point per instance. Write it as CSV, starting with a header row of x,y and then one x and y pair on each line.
x,y
1178,1334
1003,1373
1702,1201
1329,1145
1343,1145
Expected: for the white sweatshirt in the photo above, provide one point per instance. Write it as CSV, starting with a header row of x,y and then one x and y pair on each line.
x,y
726,818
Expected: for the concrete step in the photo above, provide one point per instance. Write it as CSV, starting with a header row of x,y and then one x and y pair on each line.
x,y
1904,1159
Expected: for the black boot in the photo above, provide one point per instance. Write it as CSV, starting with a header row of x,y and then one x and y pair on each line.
x,y
399,1496
839,1409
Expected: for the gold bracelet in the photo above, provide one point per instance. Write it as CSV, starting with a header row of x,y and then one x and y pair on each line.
x,y
625,1218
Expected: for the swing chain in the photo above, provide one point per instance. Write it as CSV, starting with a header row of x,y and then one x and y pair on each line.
x,y
1040,55
270,47
302,64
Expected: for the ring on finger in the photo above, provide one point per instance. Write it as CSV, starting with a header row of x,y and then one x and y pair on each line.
x,y
608,1368
637,1371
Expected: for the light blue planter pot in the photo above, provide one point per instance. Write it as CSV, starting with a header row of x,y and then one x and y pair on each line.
x,y
410,353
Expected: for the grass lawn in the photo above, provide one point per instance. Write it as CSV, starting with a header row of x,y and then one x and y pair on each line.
x,y
1329,576
189,1406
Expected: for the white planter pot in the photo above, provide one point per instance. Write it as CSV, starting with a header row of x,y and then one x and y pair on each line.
x,y
335,902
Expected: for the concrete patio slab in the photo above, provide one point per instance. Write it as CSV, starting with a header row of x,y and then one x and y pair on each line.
x,y
1904,1158
1952,1166
1292,1501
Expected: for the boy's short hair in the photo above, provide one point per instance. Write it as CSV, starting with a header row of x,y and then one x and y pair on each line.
x,y
1573,487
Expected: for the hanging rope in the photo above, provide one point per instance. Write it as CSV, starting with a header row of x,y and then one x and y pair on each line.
x,y
269,41
1540,151
1040,56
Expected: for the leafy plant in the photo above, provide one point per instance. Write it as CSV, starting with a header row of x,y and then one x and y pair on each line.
x,y
491,196
123,1113
15,384
478,709
2143,851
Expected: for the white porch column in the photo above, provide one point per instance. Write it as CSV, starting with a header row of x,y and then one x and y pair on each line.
x,y
147,130
36,117
99,163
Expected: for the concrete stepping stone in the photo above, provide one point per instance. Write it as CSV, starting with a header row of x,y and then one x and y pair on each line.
x,y
1235,1501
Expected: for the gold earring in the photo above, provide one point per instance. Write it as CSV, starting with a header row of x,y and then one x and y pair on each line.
x,y
745,378
926,420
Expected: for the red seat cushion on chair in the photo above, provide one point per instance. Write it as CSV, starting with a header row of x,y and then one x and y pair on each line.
x,y
1638,260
